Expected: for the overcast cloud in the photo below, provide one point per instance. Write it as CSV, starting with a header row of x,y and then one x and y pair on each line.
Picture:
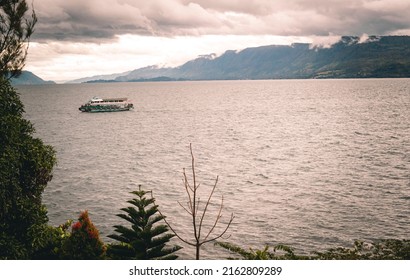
x,y
97,19
71,28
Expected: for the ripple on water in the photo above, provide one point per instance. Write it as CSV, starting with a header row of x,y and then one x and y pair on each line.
x,y
310,164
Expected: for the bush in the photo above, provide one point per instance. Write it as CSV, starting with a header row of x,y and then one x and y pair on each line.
x,y
278,252
51,242
84,243
385,249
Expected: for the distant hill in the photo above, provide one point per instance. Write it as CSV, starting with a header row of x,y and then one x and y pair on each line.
x,y
377,57
101,78
28,78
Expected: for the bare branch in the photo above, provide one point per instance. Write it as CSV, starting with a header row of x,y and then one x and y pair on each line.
x,y
186,181
207,204
194,206
216,220
187,188
193,165
183,207
223,233
172,229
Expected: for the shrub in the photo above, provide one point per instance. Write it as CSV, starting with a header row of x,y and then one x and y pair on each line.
x,y
278,252
84,243
385,249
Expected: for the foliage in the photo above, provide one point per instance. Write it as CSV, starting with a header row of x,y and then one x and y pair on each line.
x,y
385,249
26,165
15,31
84,243
279,252
145,240
51,241
198,215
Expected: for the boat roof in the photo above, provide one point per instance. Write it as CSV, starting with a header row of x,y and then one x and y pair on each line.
x,y
109,99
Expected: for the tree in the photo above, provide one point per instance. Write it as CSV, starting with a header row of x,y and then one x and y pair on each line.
x,y
26,165
15,31
145,240
198,215
25,162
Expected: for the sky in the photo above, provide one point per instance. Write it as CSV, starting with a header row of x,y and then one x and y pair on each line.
x,y
81,38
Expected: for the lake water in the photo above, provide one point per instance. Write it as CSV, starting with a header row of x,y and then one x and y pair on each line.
x,y
308,163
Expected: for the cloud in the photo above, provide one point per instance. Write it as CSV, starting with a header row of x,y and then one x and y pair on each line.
x,y
88,20
76,38
62,61
91,20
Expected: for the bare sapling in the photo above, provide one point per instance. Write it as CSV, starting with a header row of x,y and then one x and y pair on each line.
x,y
203,232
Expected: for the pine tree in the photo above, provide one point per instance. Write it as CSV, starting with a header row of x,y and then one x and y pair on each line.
x,y
146,239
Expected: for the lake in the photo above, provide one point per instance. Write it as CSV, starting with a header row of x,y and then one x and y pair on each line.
x,y
311,164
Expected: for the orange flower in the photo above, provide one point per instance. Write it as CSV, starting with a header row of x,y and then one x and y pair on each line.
x,y
77,226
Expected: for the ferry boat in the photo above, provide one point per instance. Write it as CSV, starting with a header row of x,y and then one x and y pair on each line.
x,y
97,104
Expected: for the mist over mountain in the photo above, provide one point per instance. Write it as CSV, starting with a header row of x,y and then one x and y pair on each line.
x,y
351,57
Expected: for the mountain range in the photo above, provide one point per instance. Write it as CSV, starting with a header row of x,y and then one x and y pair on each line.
x,y
351,57
376,57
